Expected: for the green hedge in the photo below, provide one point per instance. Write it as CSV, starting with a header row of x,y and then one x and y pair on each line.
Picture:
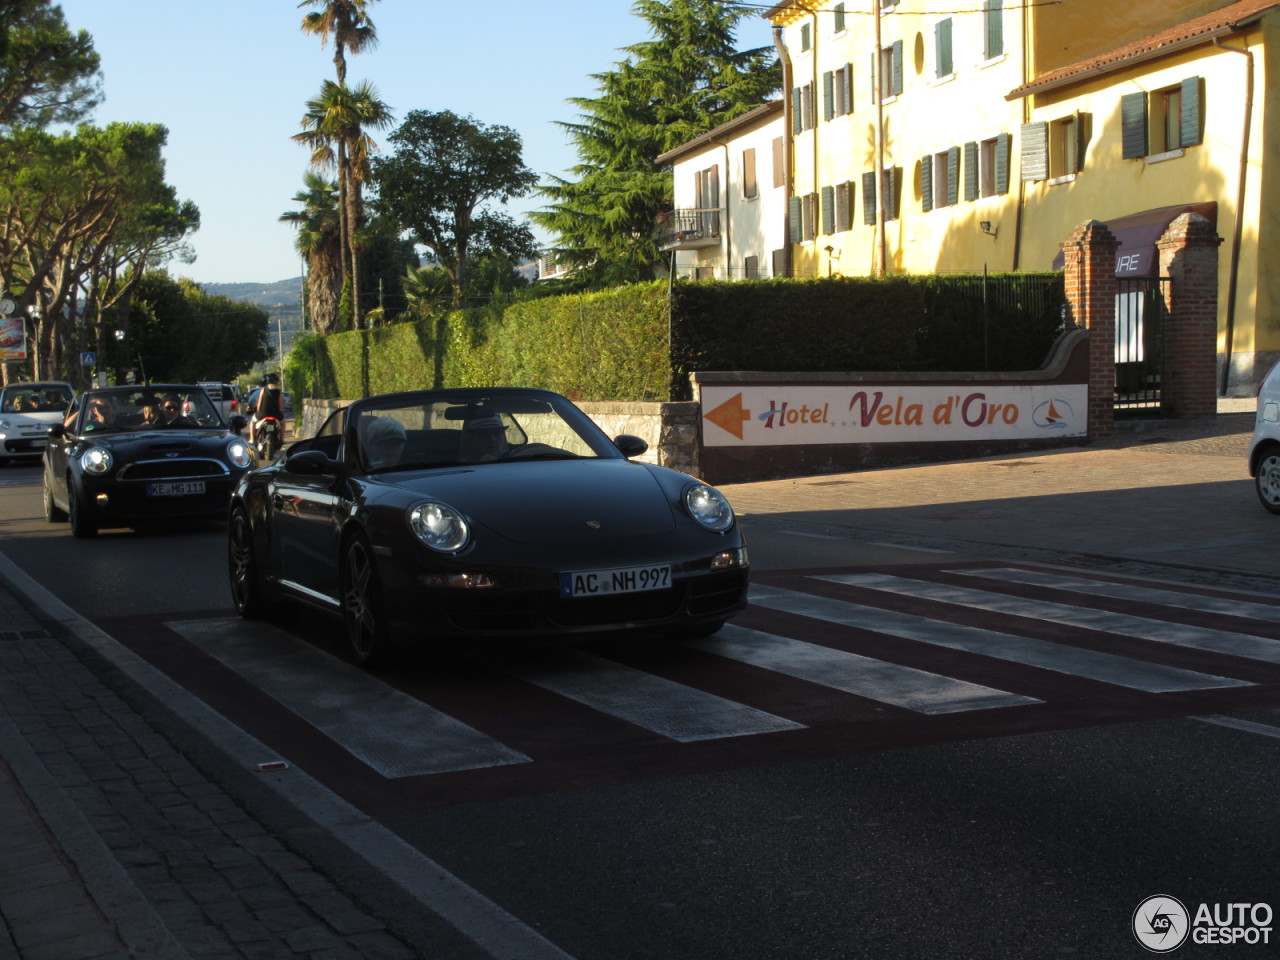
x,y
640,342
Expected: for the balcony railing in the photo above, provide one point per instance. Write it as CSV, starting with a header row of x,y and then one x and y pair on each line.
x,y
690,229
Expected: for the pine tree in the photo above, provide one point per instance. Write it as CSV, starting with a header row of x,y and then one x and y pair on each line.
x,y
686,80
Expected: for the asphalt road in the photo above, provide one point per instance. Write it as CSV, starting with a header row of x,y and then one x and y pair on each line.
x,y
866,828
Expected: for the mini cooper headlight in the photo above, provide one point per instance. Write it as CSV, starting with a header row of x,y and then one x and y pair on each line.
x,y
238,453
708,506
96,460
439,526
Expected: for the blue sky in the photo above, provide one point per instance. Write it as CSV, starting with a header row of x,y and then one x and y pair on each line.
x,y
230,80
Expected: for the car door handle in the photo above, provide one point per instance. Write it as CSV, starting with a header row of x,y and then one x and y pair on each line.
x,y
277,501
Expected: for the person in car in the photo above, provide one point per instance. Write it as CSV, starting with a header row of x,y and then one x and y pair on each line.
x,y
383,442
150,412
100,414
483,439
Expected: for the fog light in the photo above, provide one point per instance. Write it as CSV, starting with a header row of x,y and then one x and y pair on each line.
x,y
459,581
102,499
727,559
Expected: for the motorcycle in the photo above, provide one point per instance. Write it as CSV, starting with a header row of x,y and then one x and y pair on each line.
x,y
267,438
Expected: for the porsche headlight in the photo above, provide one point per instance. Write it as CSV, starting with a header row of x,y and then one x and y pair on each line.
x,y
238,453
96,460
439,526
708,506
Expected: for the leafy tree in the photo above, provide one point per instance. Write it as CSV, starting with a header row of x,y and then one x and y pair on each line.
x,y
334,128
179,333
686,80
438,183
346,23
320,243
47,73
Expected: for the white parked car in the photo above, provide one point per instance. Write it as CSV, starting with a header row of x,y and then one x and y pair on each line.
x,y
1264,449
225,397
27,411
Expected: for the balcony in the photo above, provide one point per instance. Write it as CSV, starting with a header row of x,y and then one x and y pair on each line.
x,y
690,229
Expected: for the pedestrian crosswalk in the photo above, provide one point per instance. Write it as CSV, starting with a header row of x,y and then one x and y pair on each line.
x,y
812,653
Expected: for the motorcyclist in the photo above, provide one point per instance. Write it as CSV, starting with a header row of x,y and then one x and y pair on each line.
x,y
270,405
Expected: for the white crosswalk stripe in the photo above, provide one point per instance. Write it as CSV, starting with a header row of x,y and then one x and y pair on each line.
x,y
1106,667
1160,631
397,735
876,680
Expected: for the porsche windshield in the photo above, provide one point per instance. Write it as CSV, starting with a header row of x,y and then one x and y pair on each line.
x,y
142,408
473,429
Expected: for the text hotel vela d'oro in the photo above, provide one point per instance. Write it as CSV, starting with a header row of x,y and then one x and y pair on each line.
x,y
783,415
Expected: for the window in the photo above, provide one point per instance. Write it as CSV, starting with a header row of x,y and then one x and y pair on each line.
x,y
889,70
704,273
804,213
802,108
844,205
838,19
750,188
1163,121
828,211
1065,150
779,263
986,167
940,179
889,185
708,193
943,63
751,268
806,38
993,28
837,87
779,161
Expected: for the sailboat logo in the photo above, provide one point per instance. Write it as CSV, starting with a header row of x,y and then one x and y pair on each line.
x,y
1054,414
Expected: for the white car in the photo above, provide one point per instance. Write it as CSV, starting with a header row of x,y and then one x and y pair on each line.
x,y
1264,449
27,411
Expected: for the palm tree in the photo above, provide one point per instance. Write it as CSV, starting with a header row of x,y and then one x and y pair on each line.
x,y
320,243
347,22
334,128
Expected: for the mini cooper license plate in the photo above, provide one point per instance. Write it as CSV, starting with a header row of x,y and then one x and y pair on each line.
x,y
185,489
600,583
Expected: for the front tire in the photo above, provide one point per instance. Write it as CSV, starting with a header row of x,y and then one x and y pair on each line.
x,y
1267,481
242,567
52,512
82,525
363,609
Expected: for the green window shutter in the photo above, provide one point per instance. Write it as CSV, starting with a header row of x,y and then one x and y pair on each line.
x,y
1004,144
1133,124
971,170
942,44
953,176
828,95
1191,111
828,210
897,67
869,198
1035,151
926,182
839,17
797,111
848,88
796,224
994,23
891,193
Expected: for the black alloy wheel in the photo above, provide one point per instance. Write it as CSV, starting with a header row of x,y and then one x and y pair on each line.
x,y
242,567
52,512
363,611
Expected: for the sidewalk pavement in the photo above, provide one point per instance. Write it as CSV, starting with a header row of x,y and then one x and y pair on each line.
x,y
119,843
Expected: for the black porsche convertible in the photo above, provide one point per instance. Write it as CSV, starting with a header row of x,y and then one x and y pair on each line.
x,y
500,513
131,456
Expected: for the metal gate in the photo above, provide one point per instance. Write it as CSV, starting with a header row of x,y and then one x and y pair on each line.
x,y
1139,352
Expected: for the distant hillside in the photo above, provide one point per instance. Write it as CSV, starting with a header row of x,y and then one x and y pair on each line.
x,y
282,300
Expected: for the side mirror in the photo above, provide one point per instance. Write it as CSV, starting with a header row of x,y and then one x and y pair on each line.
x,y
630,446
57,430
310,463
238,423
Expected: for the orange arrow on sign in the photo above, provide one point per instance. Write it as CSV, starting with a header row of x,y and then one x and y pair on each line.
x,y
729,415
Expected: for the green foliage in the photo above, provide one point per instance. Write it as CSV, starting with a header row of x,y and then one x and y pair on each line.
x,y
48,74
635,342
685,81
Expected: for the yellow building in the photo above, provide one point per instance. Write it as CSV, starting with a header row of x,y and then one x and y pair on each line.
x,y
997,130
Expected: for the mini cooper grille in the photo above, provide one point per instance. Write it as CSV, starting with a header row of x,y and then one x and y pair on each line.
x,y
175,469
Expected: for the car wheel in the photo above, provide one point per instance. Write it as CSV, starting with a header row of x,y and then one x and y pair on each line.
x,y
1267,482
363,611
242,567
52,513
82,526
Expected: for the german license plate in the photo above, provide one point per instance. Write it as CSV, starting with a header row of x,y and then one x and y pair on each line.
x,y
600,583
184,489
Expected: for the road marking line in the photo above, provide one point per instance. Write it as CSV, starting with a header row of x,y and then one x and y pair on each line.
x,y
1160,631
877,680
1248,726
1073,661
672,709
390,731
